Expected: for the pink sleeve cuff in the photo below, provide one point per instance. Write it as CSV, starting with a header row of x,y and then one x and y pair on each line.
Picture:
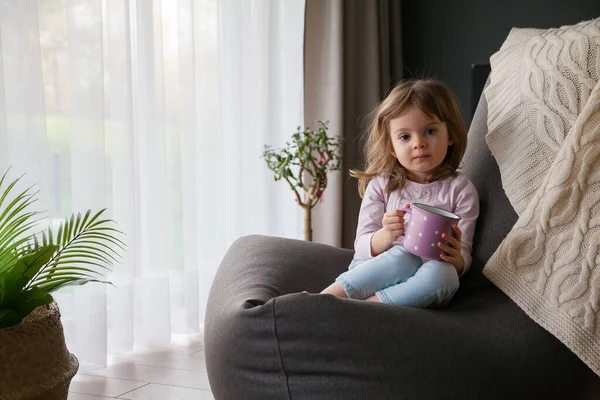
x,y
363,246
467,258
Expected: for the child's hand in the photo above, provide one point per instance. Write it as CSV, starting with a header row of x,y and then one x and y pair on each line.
x,y
452,249
393,223
393,226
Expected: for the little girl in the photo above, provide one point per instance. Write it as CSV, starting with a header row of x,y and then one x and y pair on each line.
x,y
414,147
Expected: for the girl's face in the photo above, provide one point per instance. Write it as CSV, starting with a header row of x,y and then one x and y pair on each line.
x,y
420,142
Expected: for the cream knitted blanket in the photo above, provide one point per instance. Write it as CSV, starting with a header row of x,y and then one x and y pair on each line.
x,y
540,82
549,156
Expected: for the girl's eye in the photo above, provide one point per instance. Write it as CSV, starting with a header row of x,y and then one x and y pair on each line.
x,y
404,138
430,131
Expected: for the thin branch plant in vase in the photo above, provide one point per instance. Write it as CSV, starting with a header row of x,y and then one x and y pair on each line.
x,y
304,163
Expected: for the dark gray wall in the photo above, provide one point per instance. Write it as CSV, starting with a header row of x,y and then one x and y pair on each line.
x,y
442,38
439,38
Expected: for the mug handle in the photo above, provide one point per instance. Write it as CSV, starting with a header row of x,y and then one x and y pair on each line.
x,y
408,211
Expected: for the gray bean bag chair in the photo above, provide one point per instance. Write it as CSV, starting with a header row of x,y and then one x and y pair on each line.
x,y
266,340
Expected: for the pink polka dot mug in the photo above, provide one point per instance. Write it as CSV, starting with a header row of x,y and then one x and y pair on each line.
x,y
423,230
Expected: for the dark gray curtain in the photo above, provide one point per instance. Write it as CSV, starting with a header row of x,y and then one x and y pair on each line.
x,y
371,65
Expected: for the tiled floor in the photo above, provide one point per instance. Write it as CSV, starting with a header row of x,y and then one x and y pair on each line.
x,y
170,372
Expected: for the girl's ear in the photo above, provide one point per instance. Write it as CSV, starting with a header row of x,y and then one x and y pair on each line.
x,y
450,142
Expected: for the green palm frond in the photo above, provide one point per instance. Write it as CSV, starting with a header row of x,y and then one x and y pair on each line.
x,y
32,266
15,221
81,241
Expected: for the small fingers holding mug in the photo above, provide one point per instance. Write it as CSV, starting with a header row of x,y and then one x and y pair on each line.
x,y
452,248
393,223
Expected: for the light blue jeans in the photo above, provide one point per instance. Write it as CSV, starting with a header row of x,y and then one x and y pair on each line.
x,y
400,278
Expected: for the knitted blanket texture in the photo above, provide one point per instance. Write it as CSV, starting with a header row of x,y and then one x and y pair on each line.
x,y
544,131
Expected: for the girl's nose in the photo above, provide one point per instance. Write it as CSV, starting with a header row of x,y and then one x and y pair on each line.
x,y
419,143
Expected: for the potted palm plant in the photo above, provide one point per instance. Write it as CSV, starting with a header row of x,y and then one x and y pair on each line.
x,y
35,363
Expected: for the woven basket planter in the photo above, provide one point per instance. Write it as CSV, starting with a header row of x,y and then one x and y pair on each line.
x,y
35,361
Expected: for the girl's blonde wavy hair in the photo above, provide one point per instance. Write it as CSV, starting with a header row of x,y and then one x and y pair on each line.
x,y
433,98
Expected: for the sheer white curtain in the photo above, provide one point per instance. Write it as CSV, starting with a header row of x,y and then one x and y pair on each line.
x,y
159,111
